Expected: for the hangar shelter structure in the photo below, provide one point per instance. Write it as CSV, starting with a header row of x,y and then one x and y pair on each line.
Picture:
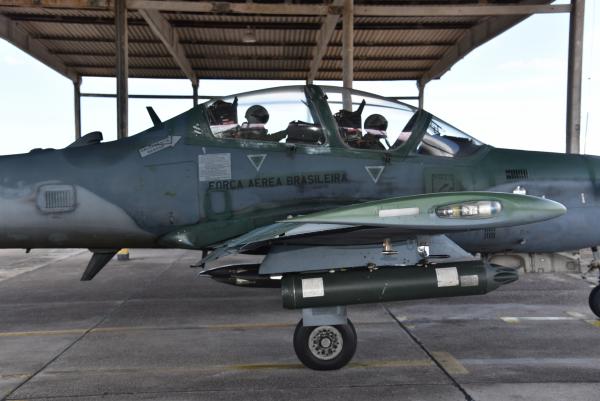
x,y
271,39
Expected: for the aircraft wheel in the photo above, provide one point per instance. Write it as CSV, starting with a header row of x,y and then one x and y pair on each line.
x,y
325,347
595,301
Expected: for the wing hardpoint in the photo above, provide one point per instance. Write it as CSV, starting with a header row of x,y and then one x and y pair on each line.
x,y
412,216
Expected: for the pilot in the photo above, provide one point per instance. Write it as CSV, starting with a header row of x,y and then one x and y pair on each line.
x,y
256,118
254,127
375,130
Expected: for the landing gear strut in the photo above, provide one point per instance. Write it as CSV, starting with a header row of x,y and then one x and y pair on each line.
x,y
325,347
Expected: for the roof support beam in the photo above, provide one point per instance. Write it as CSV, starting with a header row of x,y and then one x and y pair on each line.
x,y
421,96
360,10
122,68
77,4
323,38
348,52
13,33
221,7
195,93
167,35
77,107
456,10
574,76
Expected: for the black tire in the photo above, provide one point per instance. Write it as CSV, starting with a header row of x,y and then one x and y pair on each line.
x,y
331,358
595,301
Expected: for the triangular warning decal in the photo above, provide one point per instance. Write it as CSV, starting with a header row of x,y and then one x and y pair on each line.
x,y
375,172
257,160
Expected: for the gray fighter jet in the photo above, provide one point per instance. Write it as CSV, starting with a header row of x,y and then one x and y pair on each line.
x,y
351,197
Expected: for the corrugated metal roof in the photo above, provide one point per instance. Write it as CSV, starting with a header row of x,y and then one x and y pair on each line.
x,y
385,48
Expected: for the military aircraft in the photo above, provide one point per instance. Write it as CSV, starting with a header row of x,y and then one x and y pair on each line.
x,y
351,198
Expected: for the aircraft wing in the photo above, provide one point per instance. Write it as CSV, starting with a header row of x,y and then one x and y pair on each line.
x,y
429,214
442,212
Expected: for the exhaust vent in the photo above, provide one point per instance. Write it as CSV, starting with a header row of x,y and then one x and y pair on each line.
x,y
517,174
56,198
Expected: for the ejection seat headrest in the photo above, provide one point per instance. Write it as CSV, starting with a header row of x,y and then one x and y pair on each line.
x,y
350,119
223,113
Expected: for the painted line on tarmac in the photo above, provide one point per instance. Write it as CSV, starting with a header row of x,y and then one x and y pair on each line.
x,y
573,316
41,333
585,318
119,329
577,315
124,329
406,363
515,320
450,363
14,375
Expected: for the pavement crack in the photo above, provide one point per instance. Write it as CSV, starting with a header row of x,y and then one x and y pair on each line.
x,y
430,354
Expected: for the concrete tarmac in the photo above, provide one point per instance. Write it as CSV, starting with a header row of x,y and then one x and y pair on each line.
x,y
148,329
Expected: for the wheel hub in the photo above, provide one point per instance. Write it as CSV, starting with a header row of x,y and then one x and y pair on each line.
x,y
325,342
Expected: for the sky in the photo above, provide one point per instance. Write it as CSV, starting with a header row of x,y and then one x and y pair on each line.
x,y
510,93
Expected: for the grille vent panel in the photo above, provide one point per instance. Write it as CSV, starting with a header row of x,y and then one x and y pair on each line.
x,y
489,233
517,174
56,198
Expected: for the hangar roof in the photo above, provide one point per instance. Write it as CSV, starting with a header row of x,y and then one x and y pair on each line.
x,y
393,40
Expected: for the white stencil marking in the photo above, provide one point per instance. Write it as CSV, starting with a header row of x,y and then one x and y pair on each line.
x,y
312,287
214,167
168,142
197,129
406,211
469,281
447,276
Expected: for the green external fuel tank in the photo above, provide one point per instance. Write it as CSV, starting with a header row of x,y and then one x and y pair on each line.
x,y
385,284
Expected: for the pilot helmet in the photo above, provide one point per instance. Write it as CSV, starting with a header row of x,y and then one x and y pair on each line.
x,y
257,115
376,122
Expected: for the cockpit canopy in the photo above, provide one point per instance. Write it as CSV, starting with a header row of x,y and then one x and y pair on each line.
x,y
333,116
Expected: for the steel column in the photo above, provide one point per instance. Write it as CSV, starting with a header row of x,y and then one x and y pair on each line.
x,y
421,94
122,67
195,93
348,50
574,76
77,103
